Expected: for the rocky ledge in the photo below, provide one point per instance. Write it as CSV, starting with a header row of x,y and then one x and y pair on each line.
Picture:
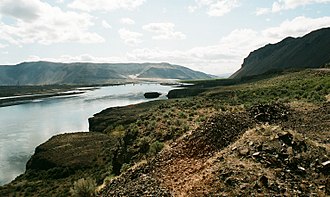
x,y
73,150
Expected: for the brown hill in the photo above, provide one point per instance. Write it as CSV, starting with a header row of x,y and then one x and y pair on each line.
x,y
49,73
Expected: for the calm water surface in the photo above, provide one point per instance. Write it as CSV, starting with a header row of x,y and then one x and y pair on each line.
x,y
25,126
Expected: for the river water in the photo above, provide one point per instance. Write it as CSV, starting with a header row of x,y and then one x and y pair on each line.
x,y
25,126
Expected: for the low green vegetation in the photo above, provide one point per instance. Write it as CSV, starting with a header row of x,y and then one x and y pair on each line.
x,y
83,188
155,147
306,85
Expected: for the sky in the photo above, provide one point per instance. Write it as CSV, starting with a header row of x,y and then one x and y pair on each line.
x,y
213,36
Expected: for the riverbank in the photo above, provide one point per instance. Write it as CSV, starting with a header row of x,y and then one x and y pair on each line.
x,y
16,100
264,137
14,95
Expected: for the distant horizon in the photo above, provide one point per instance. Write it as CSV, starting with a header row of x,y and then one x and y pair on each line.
x,y
212,36
218,75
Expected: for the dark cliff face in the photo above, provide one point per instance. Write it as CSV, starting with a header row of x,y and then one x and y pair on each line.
x,y
74,150
116,116
309,51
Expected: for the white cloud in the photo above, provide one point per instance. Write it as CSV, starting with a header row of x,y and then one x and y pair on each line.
x,y
39,22
261,11
227,55
129,37
106,5
215,7
192,8
223,57
280,5
164,31
299,26
127,21
2,45
20,9
164,10
78,58
106,25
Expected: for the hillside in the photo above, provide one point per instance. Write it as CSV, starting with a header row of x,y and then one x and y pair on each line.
x,y
309,51
48,73
268,137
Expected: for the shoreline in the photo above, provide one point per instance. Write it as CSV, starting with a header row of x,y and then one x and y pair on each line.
x,y
5,102
17,98
16,95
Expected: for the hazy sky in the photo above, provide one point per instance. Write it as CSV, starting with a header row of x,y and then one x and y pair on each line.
x,y
213,36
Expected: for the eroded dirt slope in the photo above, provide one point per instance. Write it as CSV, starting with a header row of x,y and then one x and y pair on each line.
x,y
239,153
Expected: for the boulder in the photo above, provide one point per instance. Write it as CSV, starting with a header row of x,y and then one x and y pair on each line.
x,y
151,95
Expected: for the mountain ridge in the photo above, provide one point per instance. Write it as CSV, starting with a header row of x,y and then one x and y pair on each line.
x,y
78,73
309,51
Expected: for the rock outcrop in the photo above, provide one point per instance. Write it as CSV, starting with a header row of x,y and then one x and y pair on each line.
x,y
74,150
151,95
117,116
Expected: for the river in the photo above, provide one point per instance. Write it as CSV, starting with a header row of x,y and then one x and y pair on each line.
x,y
25,126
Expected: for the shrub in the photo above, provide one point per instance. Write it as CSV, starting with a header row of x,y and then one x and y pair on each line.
x,y
143,144
83,188
185,127
155,147
177,122
124,168
120,128
182,115
107,179
173,129
166,115
118,133
139,122
202,118
152,124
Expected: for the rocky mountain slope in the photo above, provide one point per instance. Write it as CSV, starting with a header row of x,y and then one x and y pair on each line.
x,y
48,73
309,51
